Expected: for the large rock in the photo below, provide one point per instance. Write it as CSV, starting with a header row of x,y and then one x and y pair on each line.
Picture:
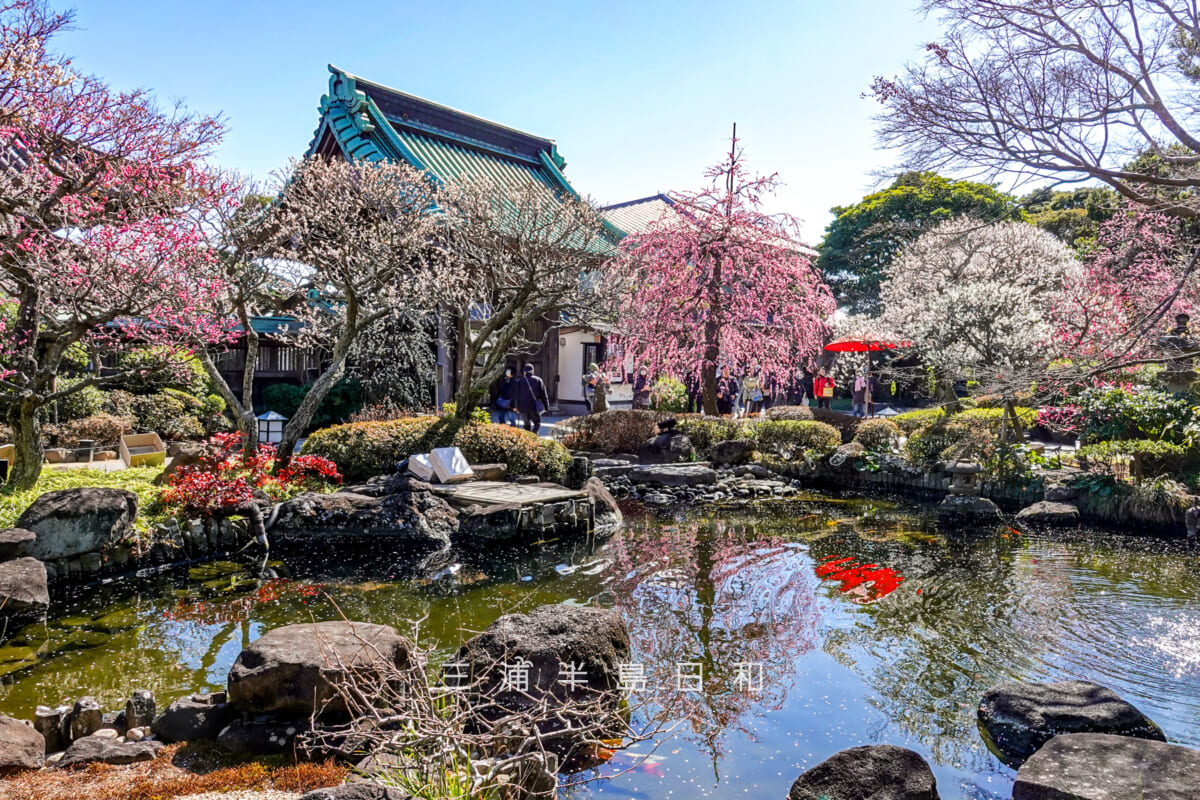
x,y
139,709
876,772
71,522
201,716
666,448
593,642
606,509
732,451
959,509
103,750
418,519
356,791
15,542
249,738
24,597
186,454
674,475
21,747
1097,766
296,669
1021,717
1049,513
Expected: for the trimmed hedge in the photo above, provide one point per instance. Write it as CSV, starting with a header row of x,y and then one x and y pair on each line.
x,y
878,434
617,431
704,432
1151,455
365,449
912,421
790,412
846,424
790,438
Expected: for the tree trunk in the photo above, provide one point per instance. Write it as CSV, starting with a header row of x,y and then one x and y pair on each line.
x,y
27,467
708,387
242,413
298,424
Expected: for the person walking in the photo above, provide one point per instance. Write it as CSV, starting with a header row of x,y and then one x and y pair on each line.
x,y
823,387
590,381
727,392
641,389
858,395
752,394
532,399
506,399
691,385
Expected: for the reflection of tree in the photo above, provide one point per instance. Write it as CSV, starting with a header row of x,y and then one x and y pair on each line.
x,y
717,593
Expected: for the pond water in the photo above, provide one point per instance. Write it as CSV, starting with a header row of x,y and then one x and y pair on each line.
x,y
870,626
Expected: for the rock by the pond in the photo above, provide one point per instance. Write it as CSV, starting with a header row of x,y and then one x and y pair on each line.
x,y
96,749
297,668
186,454
250,738
15,542
877,772
418,519
70,522
964,509
732,451
49,723
24,596
490,472
674,474
139,709
1049,513
666,448
84,718
356,791
605,506
1021,717
592,642
201,716
21,747
1097,766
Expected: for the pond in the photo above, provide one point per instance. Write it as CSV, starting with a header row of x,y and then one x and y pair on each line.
x,y
818,625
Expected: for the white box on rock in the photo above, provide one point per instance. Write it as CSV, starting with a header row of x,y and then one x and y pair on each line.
x,y
421,466
450,465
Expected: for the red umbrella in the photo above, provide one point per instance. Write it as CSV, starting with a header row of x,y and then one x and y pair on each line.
x,y
864,346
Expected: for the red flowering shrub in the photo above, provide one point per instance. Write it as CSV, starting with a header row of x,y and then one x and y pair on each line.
x,y
227,477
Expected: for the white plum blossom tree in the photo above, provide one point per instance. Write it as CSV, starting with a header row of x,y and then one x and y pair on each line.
x,y
974,299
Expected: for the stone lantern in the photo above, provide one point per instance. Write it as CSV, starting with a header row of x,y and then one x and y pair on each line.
x,y
964,478
270,427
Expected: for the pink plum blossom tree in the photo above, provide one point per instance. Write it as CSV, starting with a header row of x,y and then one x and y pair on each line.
x,y
719,280
98,247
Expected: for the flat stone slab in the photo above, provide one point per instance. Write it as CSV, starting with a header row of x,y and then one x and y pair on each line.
x,y
1049,512
496,493
674,474
1100,766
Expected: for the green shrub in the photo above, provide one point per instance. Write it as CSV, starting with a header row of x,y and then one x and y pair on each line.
x,y
790,412
611,431
1107,413
158,369
704,432
669,396
995,416
846,424
1143,455
790,438
878,434
345,398
105,430
478,413
86,402
1161,501
172,414
946,440
912,421
364,449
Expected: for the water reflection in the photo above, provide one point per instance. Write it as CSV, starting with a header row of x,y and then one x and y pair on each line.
x,y
871,625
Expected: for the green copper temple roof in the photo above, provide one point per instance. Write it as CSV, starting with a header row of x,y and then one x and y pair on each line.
x,y
369,121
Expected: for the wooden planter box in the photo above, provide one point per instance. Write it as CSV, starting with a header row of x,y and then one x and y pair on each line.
x,y
143,450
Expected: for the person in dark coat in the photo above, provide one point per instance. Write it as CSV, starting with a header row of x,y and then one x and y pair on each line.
x,y
532,399
506,398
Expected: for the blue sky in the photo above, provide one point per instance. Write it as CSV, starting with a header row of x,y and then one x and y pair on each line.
x,y
638,95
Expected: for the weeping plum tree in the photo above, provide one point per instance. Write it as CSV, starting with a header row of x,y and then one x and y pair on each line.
x,y
720,280
98,241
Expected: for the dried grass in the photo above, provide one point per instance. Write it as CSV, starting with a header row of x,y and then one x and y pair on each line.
x,y
179,771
